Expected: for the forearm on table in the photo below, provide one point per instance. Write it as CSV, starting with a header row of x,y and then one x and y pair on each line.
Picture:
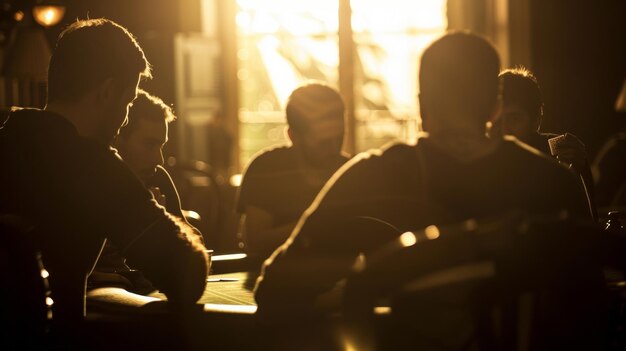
x,y
173,258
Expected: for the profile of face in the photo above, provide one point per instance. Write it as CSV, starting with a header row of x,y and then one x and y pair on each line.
x,y
142,149
115,109
517,122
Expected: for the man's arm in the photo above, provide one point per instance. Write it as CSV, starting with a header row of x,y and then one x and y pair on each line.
x,y
167,191
262,236
325,244
117,204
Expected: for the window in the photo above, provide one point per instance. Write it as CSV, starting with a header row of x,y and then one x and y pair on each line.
x,y
283,43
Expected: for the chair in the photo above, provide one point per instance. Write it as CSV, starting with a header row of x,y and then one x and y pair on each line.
x,y
510,283
25,303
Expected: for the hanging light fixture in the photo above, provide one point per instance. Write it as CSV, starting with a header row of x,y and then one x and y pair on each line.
x,y
48,12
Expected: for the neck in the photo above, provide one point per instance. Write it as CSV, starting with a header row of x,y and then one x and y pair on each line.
x,y
78,116
465,145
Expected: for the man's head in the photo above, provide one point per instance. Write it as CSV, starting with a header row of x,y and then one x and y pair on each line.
x,y
140,143
97,63
315,115
522,107
458,82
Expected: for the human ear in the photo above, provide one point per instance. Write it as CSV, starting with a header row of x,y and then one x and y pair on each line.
x,y
107,91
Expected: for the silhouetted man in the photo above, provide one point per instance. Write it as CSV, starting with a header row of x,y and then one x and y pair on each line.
x,y
59,173
522,108
280,183
140,144
454,174
522,111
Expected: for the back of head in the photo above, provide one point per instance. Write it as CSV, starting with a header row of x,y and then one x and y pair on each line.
x,y
87,53
520,87
459,78
313,102
149,107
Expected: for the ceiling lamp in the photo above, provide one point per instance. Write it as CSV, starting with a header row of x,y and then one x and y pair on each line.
x,y
48,12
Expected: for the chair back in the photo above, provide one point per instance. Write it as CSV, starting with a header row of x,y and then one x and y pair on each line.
x,y
509,283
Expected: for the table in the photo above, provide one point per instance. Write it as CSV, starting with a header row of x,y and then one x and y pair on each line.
x,y
224,318
231,293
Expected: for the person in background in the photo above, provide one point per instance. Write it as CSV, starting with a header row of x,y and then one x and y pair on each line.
x,y
608,167
522,108
280,183
60,174
521,115
140,144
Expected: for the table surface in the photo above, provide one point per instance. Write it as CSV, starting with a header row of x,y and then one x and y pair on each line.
x,y
231,293
226,289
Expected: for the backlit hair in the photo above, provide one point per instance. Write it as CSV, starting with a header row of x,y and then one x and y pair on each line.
x,y
148,107
90,51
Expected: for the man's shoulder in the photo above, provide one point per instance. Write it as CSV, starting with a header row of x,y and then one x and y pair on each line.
x,y
390,151
35,121
272,158
391,158
531,159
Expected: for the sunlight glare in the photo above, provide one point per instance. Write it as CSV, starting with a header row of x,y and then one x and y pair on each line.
x,y
235,180
408,239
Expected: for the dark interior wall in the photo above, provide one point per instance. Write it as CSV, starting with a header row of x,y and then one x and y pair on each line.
x,y
578,53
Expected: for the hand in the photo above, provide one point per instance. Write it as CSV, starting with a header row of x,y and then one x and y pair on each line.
x,y
156,193
569,149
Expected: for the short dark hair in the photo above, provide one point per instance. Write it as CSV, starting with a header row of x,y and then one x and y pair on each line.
x,y
311,96
520,87
90,51
149,107
459,72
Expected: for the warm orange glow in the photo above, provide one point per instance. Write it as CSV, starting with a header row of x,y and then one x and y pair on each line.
x,y
19,15
283,43
408,239
235,180
382,310
431,232
48,16
49,301
44,274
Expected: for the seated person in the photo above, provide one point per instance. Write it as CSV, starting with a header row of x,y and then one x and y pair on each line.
x,y
611,174
522,108
522,111
60,174
453,174
280,183
608,166
140,144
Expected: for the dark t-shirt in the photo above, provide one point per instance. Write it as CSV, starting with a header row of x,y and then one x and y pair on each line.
x,y
409,187
77,191
275,181
111,260
610,167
